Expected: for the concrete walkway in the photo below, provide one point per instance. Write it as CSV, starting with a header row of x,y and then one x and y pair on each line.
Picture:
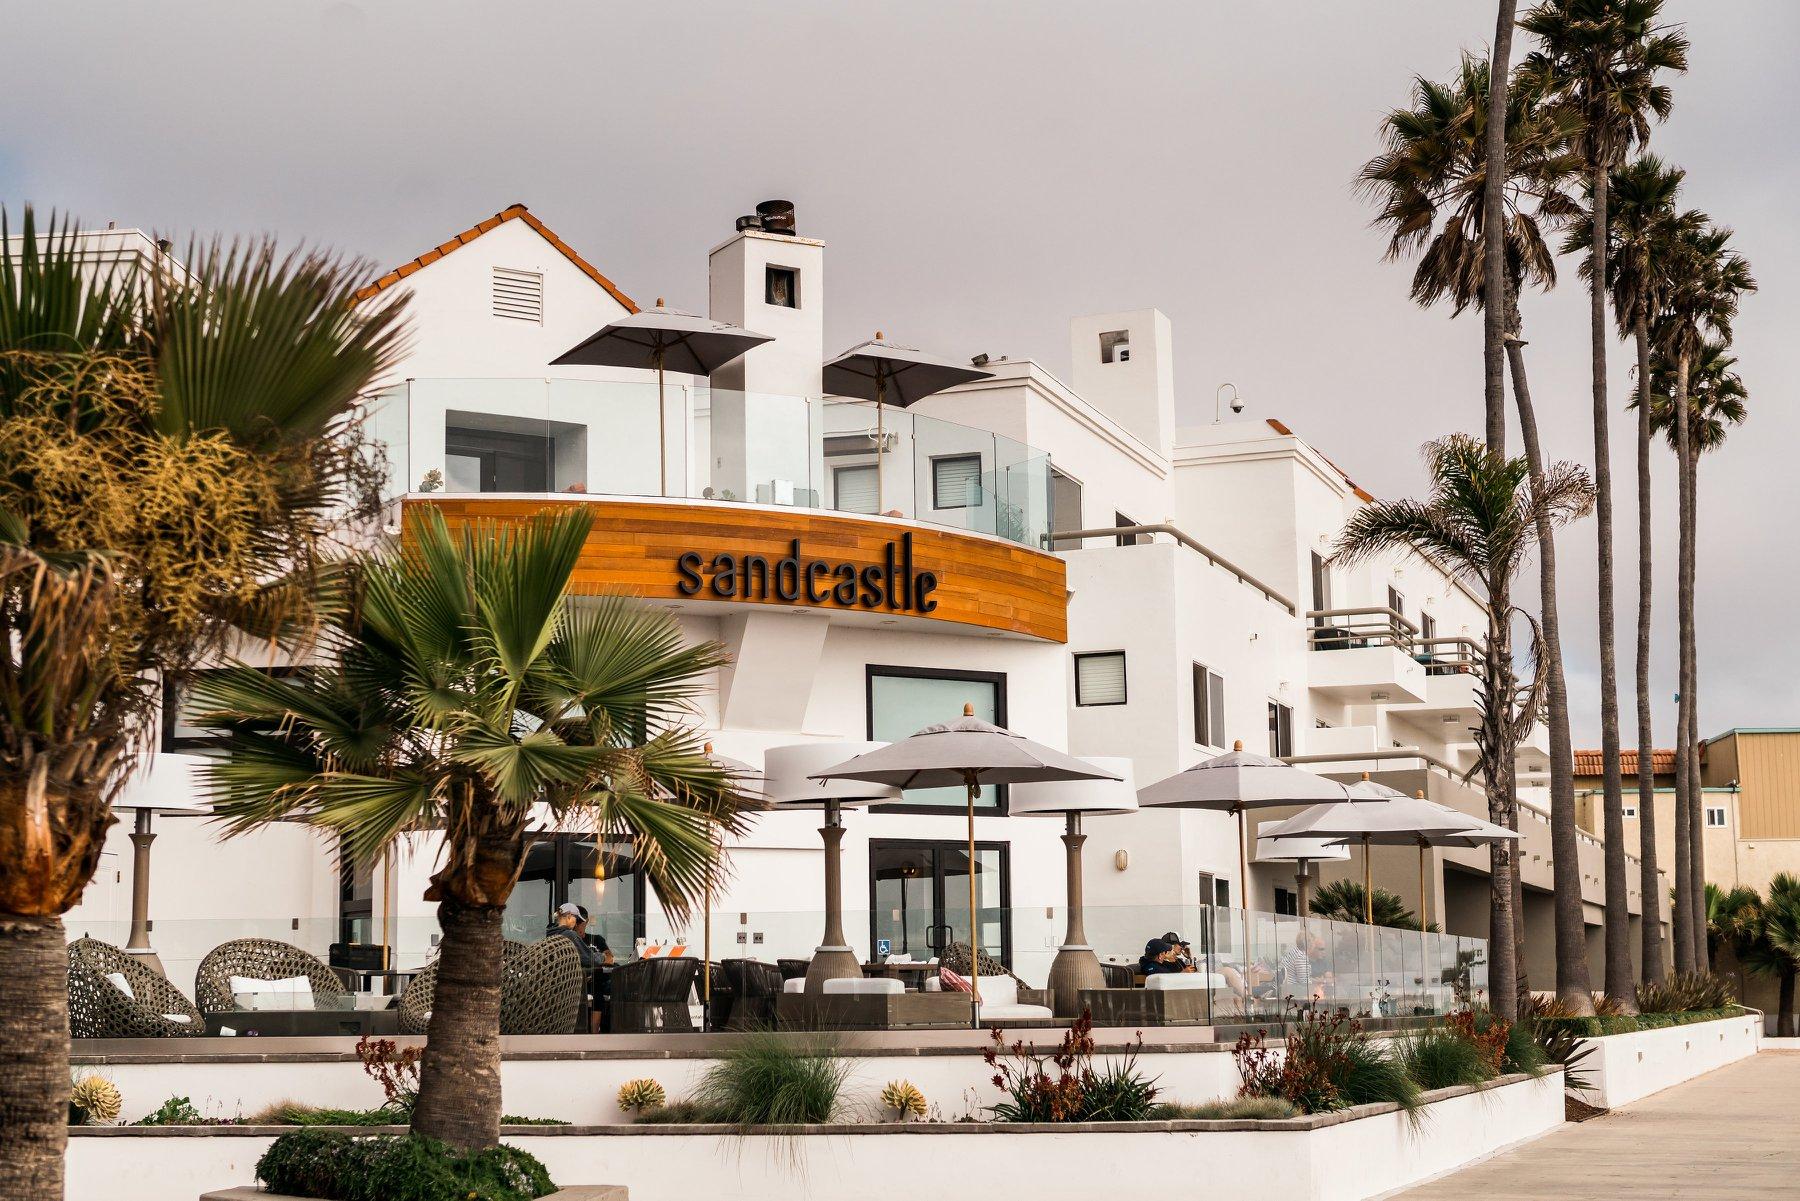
x,y
1729,1135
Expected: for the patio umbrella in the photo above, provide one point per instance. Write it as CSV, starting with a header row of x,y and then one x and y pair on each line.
x,y
789,782
1237,781
888,373
1302,852
741,773
1076,966
663,338
968,752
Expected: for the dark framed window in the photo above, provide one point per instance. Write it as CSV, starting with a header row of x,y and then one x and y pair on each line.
x,y
955,481
356,900
1281,729
1287,902
1209,706
1121,521
573,867
1065,508
919,896
1321,586
901,701
180,730
1100,678
781,287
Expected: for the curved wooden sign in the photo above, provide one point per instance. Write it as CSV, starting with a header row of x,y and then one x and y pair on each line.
x,y
808,558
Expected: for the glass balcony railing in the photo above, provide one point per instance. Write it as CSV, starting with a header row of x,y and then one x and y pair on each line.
x,y
542,436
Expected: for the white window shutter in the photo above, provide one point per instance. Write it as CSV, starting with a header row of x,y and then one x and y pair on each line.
x,y
1100,679
855,488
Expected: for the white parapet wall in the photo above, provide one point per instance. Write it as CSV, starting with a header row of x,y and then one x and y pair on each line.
x,y
1628,1067
1349,1156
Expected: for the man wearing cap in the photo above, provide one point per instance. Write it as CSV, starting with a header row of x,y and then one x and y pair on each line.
x,y
1161,957
569,921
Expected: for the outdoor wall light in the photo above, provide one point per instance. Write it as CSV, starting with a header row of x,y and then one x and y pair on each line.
x,y
1121,859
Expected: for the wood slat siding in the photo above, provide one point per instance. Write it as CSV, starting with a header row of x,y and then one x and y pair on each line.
x,y
633,548
1768,771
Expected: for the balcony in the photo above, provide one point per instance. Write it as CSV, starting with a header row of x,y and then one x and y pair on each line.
x,y
1364,656
548,436
1452,682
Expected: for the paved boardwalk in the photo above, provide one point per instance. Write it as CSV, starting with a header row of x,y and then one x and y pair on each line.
x,y
1731,1134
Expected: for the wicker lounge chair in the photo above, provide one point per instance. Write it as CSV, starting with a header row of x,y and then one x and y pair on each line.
x,y
541,990
1118,975
792,969
652,994
756,986
112,995
263,959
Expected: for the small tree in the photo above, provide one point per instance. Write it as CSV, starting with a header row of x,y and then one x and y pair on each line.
x,y
1342,901
1773,947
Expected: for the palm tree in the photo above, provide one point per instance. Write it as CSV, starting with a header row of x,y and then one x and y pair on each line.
x,y
1643,216
1706,281
1342,901
177,455
1496,113
1731,916
1774,948
1481,522
1431,183
467,690
1601,59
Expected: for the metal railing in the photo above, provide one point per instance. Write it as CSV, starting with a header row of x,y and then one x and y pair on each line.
x,y
1354,629
1204,551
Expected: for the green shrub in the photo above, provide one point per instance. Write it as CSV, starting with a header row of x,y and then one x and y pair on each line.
x,y
1367,1074
1239,1109
1686,992
680,1113
1439,1058
323,1163
768,1081
1119,1093
179,1111
1522,1051
1064,1086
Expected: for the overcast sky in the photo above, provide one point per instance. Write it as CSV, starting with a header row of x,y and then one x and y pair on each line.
x,y
982,172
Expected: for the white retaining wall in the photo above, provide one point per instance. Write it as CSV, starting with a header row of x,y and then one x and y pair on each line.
x,y
1627,1067
1343,1157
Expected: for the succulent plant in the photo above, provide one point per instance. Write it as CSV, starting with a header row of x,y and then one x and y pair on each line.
x,y
904,1098
95,1101
635,1096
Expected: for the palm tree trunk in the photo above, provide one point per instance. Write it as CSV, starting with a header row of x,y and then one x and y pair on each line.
x,y
1651,963
1687,898
1619,984
34,1057
1493,234
459,1080
1573,987
1784,1011
1497,689
1690,690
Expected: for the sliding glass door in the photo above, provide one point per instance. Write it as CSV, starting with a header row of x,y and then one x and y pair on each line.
x,y
919,897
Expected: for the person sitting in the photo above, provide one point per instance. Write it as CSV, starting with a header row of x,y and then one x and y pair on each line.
x,y
1183,952
1162,957
1295,969
596,941
568,923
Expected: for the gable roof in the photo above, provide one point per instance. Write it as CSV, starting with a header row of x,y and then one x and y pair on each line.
x,y
1361,494
1593,763
515,212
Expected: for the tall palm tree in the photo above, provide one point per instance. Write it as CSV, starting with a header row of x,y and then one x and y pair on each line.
x,y
1432,185
1601,59
1496,113
468,689
1481,521
177,456
1706,282
1643,215
1774,947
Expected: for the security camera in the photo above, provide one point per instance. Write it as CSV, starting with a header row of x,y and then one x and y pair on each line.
x,y
1237,404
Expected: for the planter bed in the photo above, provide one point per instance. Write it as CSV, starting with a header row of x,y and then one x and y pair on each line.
x,y
1344,1156
1628,1067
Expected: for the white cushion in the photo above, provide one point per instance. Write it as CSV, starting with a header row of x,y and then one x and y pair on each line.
x,y
293,992
797,984
1015,1013
864,986
121,983
997,990
183,1018
1172,981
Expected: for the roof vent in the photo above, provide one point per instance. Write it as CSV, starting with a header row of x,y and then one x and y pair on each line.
x,y
771,216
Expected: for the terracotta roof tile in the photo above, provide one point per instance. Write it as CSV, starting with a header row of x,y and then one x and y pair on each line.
x,y
1593,763
513,212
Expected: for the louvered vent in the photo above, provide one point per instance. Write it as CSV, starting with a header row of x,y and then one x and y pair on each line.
x,y
518,294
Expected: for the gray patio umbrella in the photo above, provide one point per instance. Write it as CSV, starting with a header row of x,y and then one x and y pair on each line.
x,y
1237,781
663,338
746,777
891,374
967,752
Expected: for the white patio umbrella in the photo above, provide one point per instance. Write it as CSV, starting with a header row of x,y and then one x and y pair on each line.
x,y
790,782
1237,781
663,338
1076,966
968,752
745,778
890,374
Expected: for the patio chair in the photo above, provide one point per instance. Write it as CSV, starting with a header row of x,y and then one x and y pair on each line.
x,y
793,969
112,995
1118,975
541,990
651,995
755,986
237,967
956,958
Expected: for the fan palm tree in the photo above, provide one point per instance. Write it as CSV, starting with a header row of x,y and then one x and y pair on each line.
x,y
1643,215
178,453
1706,282
1431,183
1774,948
469,690
1481,521
1342,901
1732,915
1602,60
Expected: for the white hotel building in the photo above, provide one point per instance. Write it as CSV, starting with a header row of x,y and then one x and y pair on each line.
x,y
1108,583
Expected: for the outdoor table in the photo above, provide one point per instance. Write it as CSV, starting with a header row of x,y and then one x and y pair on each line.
x,y
368,1013
914,974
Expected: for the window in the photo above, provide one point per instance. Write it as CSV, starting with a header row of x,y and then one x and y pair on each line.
x,y
1120,521
1427,627
1715,816
356,900
1396,601
1065,508
181,730
1321,586
1100,678
781,287
518,295
1287,902
904,700
956,481
1628,810
570,868
1115,346
1281,729
853,489
1209,707
492,452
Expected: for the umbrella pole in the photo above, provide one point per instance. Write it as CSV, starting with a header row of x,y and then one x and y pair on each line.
x,y
880,445
662,430
974,918
1424,908
706,940
1244,882
1369,921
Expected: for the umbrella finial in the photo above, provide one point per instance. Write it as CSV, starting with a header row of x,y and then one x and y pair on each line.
x,y
708,748
1365,775
878,335
659,302
1418,794
968,706
1238,745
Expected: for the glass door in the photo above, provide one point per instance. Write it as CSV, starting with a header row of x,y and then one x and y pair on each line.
x,y
919,897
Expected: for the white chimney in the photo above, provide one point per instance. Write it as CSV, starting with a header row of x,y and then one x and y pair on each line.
x,y
1124,365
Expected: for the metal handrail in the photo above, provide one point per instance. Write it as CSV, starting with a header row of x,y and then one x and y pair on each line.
x,y
1205,552
1395,752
